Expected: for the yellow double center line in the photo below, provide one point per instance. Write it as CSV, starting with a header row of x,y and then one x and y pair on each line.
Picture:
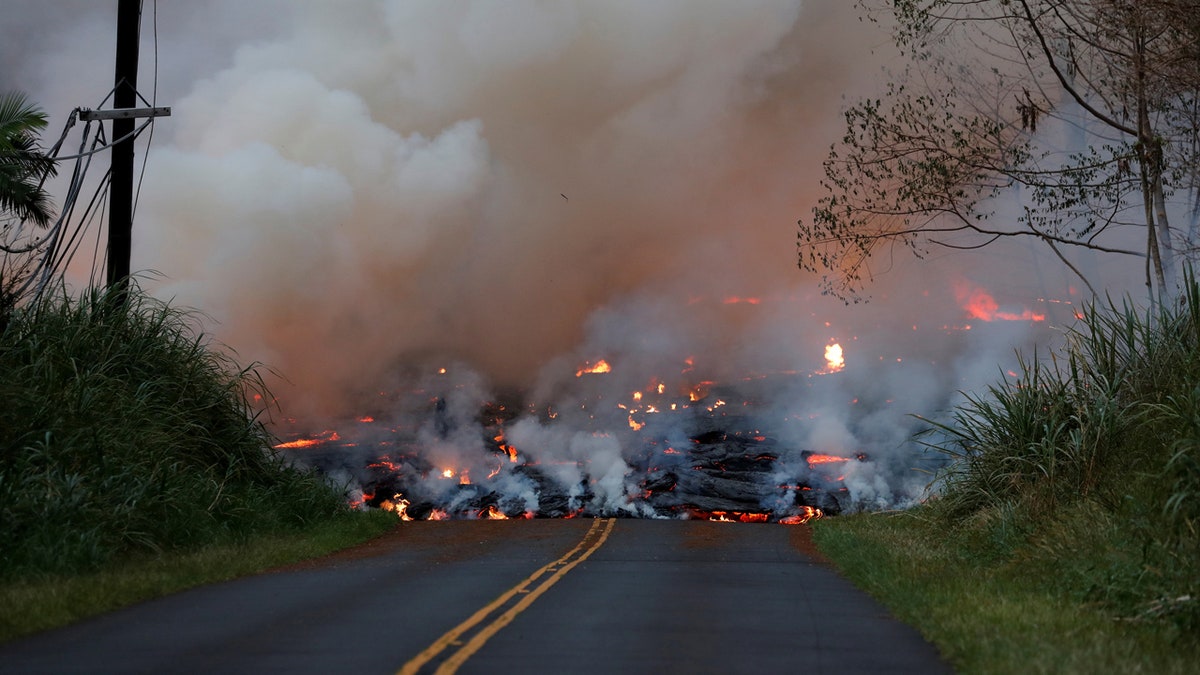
x,y
556,570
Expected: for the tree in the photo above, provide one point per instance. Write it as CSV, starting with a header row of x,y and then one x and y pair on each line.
x,y
23,168
1083,112
23,165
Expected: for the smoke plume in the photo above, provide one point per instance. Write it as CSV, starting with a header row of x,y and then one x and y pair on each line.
x,y
360,194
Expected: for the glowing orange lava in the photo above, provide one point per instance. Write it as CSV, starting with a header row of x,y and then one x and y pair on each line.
x,y
834,360
825,459
601,366
979,304
323,437
492,513
808,513
398,504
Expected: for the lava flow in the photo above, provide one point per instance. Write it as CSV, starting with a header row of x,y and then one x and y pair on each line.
x,y
684,446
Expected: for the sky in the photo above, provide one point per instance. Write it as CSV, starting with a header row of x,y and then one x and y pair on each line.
x,y
351,191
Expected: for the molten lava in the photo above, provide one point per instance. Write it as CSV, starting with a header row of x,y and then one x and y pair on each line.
x,y
398,504
492,513
834,361
806,514
600,366
979,304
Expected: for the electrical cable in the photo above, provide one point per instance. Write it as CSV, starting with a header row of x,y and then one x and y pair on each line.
x,y
137,194
61,243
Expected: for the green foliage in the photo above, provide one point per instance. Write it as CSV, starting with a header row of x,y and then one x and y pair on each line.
x,y
1001,592
1090,465
965,121
122,429
23,166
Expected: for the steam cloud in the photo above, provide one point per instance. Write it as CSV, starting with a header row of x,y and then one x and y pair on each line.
x,y
360,191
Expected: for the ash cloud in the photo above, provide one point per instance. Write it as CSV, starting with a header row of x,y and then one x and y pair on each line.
x,y
355,190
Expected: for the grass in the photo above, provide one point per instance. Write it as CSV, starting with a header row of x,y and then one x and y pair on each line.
x,y
40,603
1065,535
124,430
133,463
989,615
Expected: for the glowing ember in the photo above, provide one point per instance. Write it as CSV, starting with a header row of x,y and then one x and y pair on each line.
x,y
601,366
366,419
834,361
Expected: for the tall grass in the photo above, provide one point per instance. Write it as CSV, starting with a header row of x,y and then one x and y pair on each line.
x,y
124,429
1085,469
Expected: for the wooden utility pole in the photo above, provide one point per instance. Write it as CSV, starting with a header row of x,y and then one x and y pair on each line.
x,y
120,202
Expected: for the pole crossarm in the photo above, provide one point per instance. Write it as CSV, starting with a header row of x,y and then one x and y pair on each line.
x,y
123,113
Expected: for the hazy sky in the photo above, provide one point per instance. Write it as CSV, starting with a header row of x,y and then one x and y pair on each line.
x,y
346,188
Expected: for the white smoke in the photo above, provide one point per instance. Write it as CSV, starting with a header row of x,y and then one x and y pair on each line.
x,y
354,189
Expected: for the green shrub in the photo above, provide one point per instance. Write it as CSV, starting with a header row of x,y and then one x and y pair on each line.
x,y
1088,463
122,428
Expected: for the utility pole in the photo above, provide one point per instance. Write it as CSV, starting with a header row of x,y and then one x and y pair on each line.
x,y
120,202
123,114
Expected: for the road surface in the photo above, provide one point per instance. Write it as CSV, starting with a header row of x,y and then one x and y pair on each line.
x,y
541,596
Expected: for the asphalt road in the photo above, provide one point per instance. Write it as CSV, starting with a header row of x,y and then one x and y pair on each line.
x,y
542,596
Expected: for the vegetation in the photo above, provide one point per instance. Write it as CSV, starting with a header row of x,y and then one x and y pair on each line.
x,y
1083,115
23,166
1065,537
123,431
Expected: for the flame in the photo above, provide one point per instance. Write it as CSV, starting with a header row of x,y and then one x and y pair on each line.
x,y
635,425
448,473
464,478
601,366
806,514
492,513
833,358
438,514
398,504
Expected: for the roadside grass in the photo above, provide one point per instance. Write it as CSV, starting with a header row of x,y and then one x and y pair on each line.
x,y
992,616
124,429
1064,536
35,604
